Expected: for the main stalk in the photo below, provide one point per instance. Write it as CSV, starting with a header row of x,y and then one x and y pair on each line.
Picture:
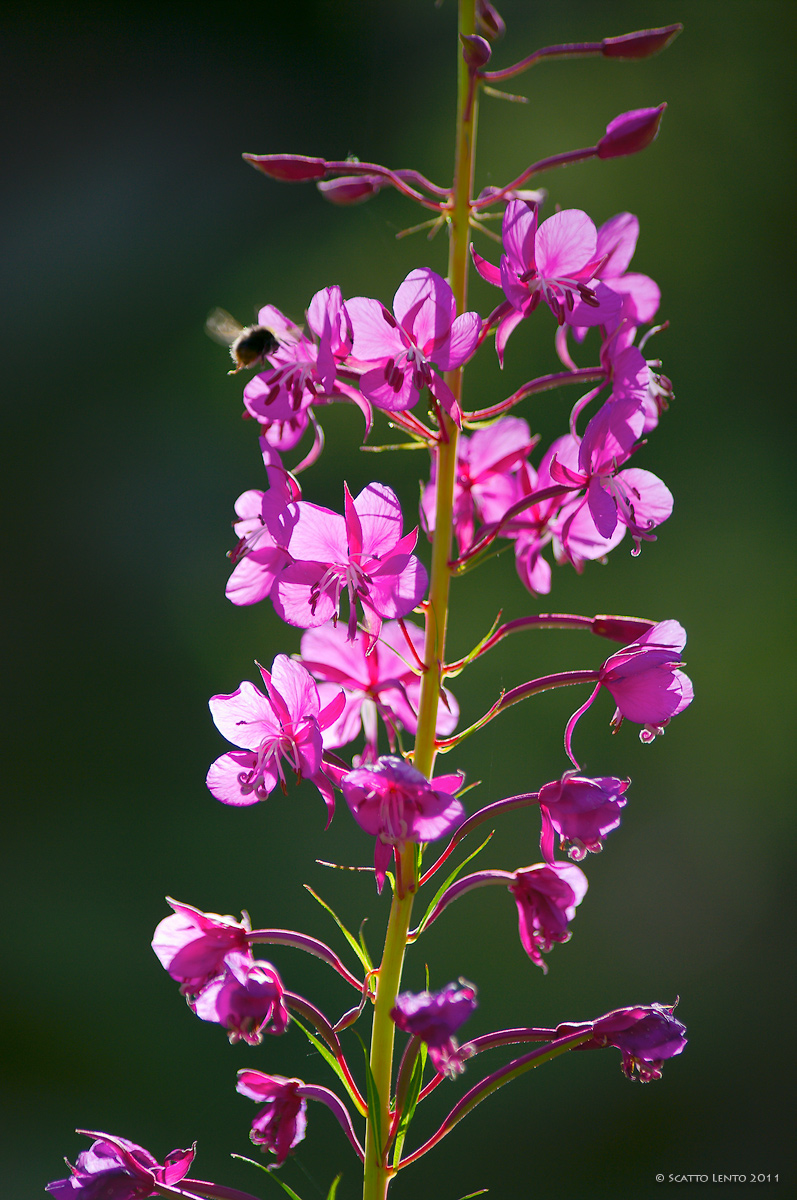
x,y
377,1173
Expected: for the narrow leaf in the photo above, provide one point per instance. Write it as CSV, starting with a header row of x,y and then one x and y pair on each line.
x,y
410,1104
355,945
269,1171
481,1191
447,883
369,966
329,1057
334,1188
374,1106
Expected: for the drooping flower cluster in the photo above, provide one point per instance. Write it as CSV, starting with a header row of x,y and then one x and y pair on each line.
x,y
210,956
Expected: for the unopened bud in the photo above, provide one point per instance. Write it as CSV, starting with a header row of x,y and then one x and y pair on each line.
x,y
350,189
489,22
641,44
621,629
475,50
630,132
290,168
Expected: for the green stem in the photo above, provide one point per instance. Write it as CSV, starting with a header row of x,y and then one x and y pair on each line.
x,y
377,1174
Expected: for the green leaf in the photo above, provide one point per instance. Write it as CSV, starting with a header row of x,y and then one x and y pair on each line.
x,y
448,881
369,966
355,945
269,1171
329,1057
333,1189
410,1104
470,1195
374,1106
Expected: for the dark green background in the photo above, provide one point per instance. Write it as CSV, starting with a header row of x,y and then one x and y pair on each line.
x,y
129,215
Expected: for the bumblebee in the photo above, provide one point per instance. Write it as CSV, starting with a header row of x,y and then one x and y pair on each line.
x,y
249,345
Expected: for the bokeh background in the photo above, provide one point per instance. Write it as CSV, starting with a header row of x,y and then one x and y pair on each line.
x,y
128,215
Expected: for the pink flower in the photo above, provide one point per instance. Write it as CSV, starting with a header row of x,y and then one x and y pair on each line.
x,y
381,682
285,724
263,529
485,487
116,1169
646,1035
247,999
397,804
581,811
281,1123
556,263
409,350
191,945
646,682
435,1017
546,897
304,371
362,553
633,498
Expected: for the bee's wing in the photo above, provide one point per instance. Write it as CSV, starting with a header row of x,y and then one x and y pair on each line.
x,y
222,327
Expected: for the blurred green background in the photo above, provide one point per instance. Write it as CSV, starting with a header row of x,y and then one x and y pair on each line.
x,y
129,215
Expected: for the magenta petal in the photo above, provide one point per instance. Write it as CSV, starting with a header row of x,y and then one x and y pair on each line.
x,y
461,343
226,779
486,269
642,297
296,687
519,232
244,716
505,328
652,500
319,535
565,243
293,600
376,335
617,239
392,391
414,295
253,577
380,516
399,586
602,508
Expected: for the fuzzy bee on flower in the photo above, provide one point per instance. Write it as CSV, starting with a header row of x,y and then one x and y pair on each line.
x,y
249,345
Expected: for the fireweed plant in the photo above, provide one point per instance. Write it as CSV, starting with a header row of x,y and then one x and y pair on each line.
x,y
351,580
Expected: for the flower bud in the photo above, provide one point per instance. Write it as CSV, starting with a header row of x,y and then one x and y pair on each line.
x,y
640,45
620,629
489,22
289,168
630,132
475,50
350,189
